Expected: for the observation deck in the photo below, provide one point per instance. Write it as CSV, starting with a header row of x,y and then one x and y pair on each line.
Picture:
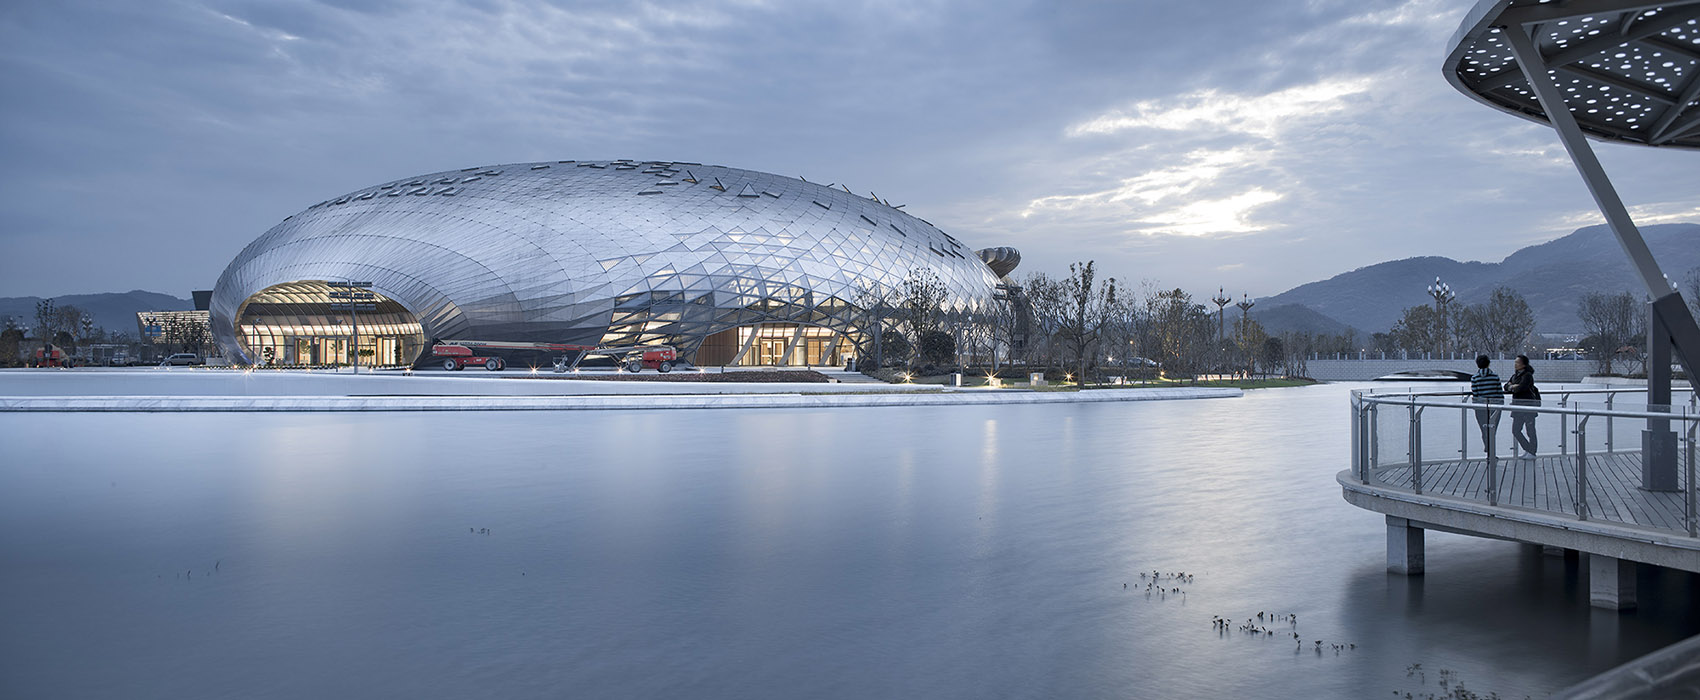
x,y
1420,459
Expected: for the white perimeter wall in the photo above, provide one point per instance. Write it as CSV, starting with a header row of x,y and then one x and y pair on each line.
x,y
1546,371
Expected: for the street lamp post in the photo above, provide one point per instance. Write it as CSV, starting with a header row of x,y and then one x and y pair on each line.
x,y
1245,313
1221,300
1443,295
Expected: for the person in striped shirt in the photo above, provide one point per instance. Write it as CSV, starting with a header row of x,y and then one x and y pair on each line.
x,y
1485,388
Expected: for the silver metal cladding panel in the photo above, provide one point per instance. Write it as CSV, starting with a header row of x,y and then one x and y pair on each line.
x,y
609,251
1629,71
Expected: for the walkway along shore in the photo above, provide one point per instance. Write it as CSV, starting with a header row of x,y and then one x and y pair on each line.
x,y
221,404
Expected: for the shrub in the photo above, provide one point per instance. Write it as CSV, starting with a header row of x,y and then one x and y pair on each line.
x,y
895,347
937,347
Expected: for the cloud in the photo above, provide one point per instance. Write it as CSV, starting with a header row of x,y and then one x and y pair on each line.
x,y
1263,115
1642,215
1237,143
1170,200
1313,124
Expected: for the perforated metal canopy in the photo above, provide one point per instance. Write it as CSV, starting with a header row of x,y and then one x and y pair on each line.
x,y
1627,70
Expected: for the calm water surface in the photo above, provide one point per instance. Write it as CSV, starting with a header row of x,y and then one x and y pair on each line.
x,y
874,552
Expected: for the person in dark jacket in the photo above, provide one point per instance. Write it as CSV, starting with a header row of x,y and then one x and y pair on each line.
x,y
1485,388
1522,389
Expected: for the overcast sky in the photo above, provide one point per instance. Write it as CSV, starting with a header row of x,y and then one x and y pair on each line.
x,y
1253,144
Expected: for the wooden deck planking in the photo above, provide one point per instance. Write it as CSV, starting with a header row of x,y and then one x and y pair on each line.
x,y
1565,477
1548,484
1662,507
1647,510
1623,502
1665,506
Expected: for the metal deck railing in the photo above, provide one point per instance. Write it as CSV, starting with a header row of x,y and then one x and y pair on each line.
x,y
1425,442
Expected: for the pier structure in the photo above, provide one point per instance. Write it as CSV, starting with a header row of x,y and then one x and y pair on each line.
x,y
1426,462
1617,71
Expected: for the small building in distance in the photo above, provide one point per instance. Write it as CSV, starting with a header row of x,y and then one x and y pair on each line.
x,y
178,331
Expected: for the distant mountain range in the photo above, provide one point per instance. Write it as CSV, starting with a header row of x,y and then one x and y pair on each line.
x,y
114,311
1552,276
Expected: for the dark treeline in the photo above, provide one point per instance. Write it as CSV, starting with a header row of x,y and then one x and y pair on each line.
x,y
1082,324
1089,325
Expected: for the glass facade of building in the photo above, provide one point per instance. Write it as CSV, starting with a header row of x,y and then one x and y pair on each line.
x,y
609,252
295,324
175,331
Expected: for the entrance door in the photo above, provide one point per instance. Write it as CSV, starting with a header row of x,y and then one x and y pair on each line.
x,y
770,351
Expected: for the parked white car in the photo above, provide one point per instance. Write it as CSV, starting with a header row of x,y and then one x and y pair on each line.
x,y
183,358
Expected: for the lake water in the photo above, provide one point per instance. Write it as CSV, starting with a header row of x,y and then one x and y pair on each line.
x,y
968,552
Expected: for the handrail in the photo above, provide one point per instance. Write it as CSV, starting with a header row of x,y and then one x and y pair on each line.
x,y
1571,410
1609,391
1682,419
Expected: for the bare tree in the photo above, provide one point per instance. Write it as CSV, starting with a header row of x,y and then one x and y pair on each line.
x,y
46,319
923,298
1045,312
1500,325
875,302
1180,331
1473,328
1509,320
1119,336
1610,322
1249,338
1000,324
1298,347
1085,311
1422,328
183,335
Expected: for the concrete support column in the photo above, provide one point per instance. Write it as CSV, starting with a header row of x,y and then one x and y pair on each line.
x,y
1658,443
1404,547
1611,582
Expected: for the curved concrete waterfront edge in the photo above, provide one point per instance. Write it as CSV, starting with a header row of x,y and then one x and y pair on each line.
x,y
219,404
1673,671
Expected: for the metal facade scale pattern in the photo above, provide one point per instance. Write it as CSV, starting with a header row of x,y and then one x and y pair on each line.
x,y
1628,70
603,251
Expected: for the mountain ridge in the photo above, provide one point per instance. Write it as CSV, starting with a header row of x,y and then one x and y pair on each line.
x,y
114,311
1552,276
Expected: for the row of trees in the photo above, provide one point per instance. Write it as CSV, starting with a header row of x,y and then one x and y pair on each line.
x,y
70,328
1614,330
1501,324
1082,324
60,325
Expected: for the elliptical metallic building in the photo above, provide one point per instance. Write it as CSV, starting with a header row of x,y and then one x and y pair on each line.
x,y
731,266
